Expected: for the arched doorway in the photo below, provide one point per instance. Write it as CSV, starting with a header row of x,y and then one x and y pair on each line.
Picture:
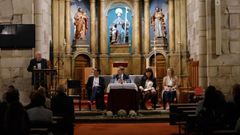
x,y
81,62
160,67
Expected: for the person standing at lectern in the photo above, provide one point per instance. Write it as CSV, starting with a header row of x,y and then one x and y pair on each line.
x,y
38,63
121,77
95,89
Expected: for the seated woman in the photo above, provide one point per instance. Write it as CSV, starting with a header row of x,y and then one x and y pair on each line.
x,y
170,85
148,88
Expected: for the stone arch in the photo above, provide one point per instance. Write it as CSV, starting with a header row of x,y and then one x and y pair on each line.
x,y
158,52
160,68
116,3
81,61
76,54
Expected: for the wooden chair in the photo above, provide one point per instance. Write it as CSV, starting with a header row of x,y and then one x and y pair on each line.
x,y
74,85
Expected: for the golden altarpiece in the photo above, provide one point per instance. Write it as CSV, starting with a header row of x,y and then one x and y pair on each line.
x,y
119,32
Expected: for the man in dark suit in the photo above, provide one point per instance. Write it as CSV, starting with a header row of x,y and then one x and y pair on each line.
x,y
121,77
38,63
95,89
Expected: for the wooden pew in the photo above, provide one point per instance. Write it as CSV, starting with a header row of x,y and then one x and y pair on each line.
x,y
43,128
225,132
184,115
40,128
180,112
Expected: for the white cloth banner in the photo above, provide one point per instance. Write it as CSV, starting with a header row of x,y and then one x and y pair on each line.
x,y
130,86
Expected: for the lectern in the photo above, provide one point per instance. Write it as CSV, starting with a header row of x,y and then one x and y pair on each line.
x,y
40,77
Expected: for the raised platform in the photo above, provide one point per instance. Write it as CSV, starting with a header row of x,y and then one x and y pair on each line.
x,y
142,117
94,116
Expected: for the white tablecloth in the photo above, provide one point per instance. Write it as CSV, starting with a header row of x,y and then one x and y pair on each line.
x,y
130,86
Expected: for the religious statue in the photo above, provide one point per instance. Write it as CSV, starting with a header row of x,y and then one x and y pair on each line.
x,y
81,23
158,23
119,28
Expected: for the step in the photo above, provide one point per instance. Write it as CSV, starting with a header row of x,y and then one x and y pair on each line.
x,y
138,119
85,112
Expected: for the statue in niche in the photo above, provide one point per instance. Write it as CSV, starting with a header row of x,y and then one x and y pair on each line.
x,y
158,24
119,28
81,23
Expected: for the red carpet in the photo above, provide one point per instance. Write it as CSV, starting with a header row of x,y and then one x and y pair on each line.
x,y
125,129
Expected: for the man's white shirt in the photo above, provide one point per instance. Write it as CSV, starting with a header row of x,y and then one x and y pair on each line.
x,y
95,81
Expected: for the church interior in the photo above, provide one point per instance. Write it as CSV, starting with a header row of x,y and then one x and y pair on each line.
x,y
85,49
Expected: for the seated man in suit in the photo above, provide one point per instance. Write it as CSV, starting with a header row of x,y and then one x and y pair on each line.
x,y
121,77
95,89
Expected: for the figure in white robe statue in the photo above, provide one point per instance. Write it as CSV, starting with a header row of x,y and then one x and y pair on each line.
x,y
119,28
158,23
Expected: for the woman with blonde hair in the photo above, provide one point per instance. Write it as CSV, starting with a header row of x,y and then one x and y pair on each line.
x,y
170,85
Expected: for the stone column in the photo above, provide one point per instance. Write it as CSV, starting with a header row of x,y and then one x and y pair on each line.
x,y
68,49
146,27
68,26
171,26
147,62
136,27
104,61
93,63
177,15
174,35
93,26
61,25
38,7
55,16
136,58
183,47
203,45
103,28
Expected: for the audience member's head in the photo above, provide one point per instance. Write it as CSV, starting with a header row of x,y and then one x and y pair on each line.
x,y
220,99
209,98
214,99
236,93
42,91
12,96
61,89
11,87
38,99
149,73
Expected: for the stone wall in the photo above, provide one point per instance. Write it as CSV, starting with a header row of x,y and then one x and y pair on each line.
x,y
14,62
224,69
221,70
